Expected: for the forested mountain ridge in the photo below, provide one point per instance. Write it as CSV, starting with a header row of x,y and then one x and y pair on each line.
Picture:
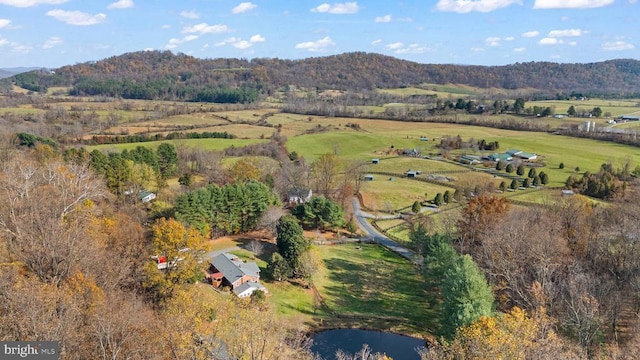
x,y
164,75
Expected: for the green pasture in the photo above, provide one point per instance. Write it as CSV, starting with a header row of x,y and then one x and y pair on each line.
x,y
400,164
634,125
361,277
615,107
383,194
205,144
21,111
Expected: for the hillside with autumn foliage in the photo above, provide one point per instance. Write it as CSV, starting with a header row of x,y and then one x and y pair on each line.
x,y
168,76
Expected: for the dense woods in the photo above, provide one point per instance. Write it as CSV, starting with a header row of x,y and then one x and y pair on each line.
x,y
164,75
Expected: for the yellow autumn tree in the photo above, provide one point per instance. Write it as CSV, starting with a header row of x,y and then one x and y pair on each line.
x,y
177,251
513,335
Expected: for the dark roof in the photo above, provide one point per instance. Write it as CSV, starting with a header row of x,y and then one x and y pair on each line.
x,y
233,268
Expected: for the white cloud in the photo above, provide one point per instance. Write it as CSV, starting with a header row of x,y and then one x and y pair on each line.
x,y
226,41
166,26
467,6
317,46
573,43
4,23
383,19
339,8
29,3
571,4
550,41
617,46
519,49
530,34
204,28
492,41
78,18
412,49
173,43
20,48
243,7
509,38
3,41
121,4
240,43
477,49
394,46
376,42
566,33
190,14
52,42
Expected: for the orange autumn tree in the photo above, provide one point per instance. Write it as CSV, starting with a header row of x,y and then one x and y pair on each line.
x,y
479,217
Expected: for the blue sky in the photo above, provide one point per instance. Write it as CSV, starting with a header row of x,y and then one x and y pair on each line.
x,y
52,33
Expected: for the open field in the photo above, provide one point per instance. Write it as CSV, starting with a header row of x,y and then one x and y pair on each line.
x,y
206,144
360,277
614,107
385,195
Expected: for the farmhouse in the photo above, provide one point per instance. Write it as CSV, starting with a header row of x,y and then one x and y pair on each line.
x,y
412,173
229,270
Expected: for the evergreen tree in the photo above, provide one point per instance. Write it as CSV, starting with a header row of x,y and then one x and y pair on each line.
x,y
415,208
167,159
532,173
536,181
500,165
446,197
561,166
466,295
526,183
290,240
514,184
544,178
509,168
438,200
503,186
279,268
520,170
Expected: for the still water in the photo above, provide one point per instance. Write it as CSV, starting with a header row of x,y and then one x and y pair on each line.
x,y
399,347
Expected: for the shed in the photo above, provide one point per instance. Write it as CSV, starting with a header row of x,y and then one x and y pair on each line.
x,y
567,192
411,173
368,177
146,196
375,161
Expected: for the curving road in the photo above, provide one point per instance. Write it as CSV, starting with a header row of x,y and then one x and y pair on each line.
x,y
373,234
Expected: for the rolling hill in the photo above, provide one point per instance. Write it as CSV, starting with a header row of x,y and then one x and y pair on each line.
x,y
164,75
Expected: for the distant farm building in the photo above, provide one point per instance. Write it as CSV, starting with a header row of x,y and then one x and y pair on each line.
x,y
424,138
500,157
411,152
368,177
469,159
413,173
567,192
375,161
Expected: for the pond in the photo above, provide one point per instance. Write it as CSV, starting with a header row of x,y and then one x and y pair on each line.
x,y
399,347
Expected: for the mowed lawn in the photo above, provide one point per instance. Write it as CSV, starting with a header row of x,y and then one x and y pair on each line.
x,y
374,286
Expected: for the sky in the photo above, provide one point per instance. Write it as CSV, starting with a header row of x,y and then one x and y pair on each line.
x,y
53,33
